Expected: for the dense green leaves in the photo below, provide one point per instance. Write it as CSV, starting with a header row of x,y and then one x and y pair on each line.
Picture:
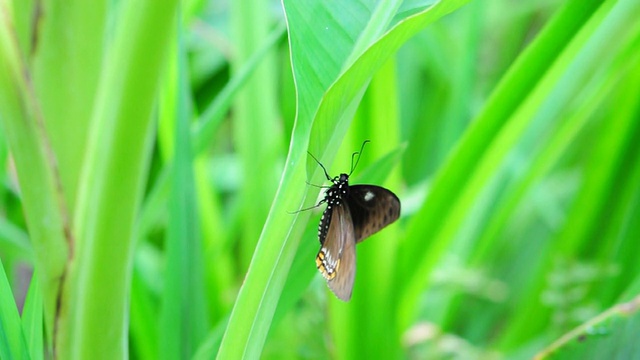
x,y
152,169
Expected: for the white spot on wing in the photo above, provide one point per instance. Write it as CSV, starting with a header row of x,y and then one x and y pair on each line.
x,y
368,196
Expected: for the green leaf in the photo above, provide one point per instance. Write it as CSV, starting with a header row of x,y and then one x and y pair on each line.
x,y
183,322
32,320
43,199
144,308
12,341
115,167
67,60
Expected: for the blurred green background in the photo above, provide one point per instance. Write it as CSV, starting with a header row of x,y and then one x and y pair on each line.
x,y
153,157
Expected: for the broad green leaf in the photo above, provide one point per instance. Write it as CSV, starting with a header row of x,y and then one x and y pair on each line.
x,y
67,59
115,167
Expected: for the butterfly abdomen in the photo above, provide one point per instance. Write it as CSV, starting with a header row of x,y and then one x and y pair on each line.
x,y
334,196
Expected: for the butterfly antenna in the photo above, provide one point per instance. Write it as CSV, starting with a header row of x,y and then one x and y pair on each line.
x,y
318,186
359,153
322,166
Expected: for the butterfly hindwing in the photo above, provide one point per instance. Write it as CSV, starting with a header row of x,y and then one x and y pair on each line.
x,y
372,208
336,259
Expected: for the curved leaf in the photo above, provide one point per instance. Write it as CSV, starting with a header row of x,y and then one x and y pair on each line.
x,y
323,35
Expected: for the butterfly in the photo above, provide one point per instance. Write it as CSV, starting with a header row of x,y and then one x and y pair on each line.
x,y
353,213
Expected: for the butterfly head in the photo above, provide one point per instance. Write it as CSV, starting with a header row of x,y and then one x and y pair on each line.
x,y
342,179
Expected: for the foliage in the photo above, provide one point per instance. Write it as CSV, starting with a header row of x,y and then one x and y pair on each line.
x,y
154,158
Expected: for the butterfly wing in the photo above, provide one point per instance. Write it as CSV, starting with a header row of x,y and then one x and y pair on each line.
x,y
336,259
372,208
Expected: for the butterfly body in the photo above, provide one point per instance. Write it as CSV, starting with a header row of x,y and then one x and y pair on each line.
x,y
353,213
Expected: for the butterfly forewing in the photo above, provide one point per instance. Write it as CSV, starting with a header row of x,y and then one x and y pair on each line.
x,y
336,259
372,208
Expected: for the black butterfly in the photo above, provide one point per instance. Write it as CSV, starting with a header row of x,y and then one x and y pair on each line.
x,y
353,213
